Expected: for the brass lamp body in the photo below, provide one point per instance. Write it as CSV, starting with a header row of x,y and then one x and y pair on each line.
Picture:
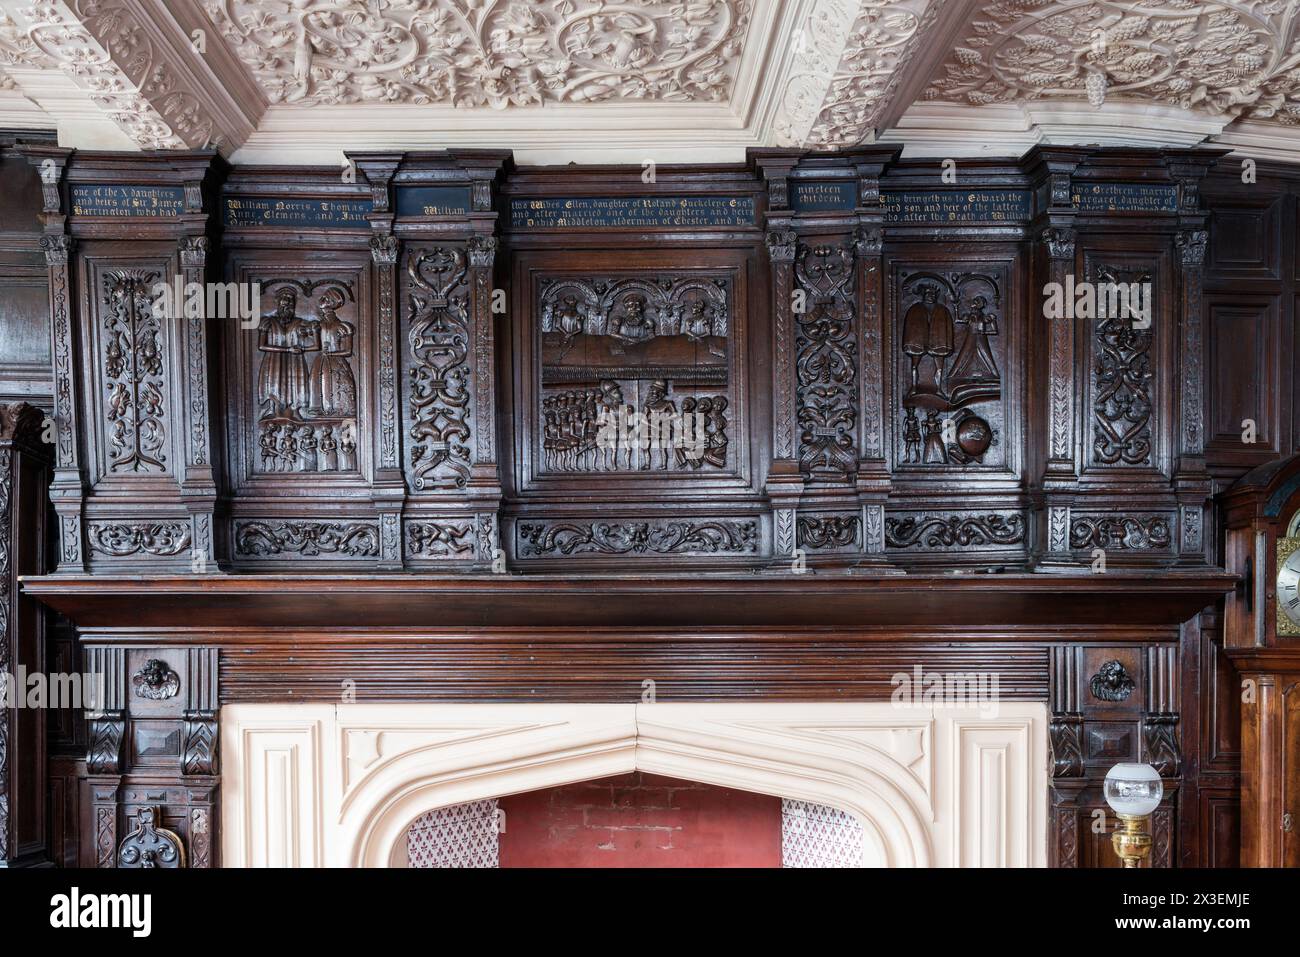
x,y
1132,842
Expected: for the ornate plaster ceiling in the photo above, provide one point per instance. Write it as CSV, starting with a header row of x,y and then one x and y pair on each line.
x,y
1226,59
670,80
475,53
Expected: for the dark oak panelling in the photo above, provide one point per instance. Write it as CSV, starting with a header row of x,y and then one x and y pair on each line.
x,y
473,543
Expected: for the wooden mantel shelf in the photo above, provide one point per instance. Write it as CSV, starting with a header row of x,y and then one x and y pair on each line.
x,y
439,605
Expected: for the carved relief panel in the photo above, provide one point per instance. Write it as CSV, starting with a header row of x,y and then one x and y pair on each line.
x,y
635,373
632,375
436,339
299,398
1126,357
955,348
130,339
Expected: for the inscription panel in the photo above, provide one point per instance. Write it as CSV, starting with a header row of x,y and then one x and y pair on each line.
x,y
123,201
240,211
632,212
954,206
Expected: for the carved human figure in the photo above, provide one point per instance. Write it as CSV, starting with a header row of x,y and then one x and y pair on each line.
x,y
635,327
928,331
327,457
333,388
911,438
935,451
306,449
612,411
975,362
284,338
347,448
658,412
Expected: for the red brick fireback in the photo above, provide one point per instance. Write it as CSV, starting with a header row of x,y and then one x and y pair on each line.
x,y
640,820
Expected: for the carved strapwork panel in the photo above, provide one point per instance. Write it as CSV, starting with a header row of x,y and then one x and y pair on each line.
x,y
437,339
635,374
953,347
665,537
826,361
1125,416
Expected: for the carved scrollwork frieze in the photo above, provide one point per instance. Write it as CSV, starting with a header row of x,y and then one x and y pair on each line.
x,y
1120,532
163,539
442,539
537,539
820,532
954,531
308,539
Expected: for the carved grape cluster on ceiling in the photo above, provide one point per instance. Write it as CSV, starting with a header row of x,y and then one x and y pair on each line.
x,y
1231,57
471,53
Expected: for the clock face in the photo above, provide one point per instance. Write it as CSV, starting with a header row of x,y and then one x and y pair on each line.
x,y
1288,593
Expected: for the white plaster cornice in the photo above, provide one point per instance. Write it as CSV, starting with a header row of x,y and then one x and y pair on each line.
x,y
1009,129
131,60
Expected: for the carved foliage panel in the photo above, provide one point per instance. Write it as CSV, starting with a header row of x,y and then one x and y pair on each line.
x,y
1126,361
436,339
826,369
955,340
129,344
299,398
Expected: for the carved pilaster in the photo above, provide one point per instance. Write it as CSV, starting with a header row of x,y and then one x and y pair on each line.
x,y
389,488
1066,729
67,491
198,481
781,246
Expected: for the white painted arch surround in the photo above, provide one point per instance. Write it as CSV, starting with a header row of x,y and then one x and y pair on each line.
x,y
338,785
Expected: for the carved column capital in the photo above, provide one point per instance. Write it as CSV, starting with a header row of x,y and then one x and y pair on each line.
x,y
57,249
781,245
1191,245
482,251
383,249
194,252
868,241
1059,242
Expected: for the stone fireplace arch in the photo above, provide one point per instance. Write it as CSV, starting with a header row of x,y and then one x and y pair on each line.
x,y
932,787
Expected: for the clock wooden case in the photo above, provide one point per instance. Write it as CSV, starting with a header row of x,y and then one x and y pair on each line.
x,y
1262,636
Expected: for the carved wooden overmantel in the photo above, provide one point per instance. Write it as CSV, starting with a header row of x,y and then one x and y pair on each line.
x,y
776,430
24,478
135,478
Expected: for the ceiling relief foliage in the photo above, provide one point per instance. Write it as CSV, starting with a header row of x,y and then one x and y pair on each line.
x,y
105,49
487,53
849,57
1226,58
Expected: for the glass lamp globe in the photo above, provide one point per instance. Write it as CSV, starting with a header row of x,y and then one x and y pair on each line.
x,y
1133,789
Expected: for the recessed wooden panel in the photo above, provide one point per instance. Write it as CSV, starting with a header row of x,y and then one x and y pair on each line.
x,y
1244,345
1245,239
1220,828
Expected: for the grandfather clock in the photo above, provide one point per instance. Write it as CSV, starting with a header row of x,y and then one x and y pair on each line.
x,y
1262,636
